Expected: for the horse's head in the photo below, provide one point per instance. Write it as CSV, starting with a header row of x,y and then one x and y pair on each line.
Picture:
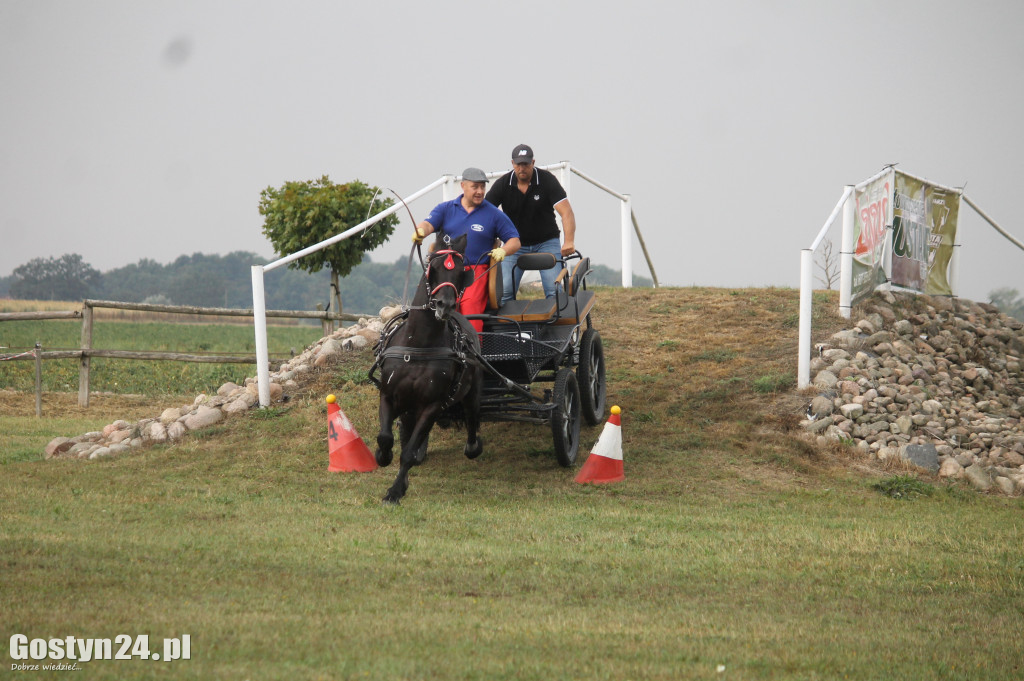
x,y
447,277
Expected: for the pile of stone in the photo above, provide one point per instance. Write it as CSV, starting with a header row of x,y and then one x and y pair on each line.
x,y
934,380
206,410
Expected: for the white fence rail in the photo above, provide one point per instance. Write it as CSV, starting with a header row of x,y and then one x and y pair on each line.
x,y
447,184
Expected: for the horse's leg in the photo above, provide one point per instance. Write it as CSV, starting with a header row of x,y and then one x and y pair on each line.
x,y
413,452
405,428
471,407
385,439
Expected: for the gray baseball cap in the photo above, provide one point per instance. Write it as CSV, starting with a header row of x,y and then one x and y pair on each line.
x,y
474,175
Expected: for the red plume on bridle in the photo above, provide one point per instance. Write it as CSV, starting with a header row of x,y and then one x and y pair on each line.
x,y
449,264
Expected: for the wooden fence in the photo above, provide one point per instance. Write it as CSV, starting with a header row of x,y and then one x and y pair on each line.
x,y
87,352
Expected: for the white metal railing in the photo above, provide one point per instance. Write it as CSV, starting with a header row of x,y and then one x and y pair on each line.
x,y
846,206
447,183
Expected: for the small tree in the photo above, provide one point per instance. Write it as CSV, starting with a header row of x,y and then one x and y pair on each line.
x,y
1008,301
302,214
829,265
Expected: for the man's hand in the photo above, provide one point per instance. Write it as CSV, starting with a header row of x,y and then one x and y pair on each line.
x,y
498,254
568,248
417,237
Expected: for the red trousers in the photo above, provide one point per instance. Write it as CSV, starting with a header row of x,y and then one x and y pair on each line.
x,y
474,299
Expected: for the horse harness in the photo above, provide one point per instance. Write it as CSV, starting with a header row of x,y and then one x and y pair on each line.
x,y
460,340
459,352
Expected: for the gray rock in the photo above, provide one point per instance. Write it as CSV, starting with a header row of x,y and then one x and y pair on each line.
x,y
57,446
905,424
157,432
227,388
903,327
820,406
240,404
355,343
170,415
176,431
203,418
825,379
923,456
1006,485
852,411
951,469
80,448
818,425
979,477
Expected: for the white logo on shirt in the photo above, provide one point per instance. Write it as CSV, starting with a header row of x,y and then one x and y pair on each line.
x,y
536,197
477,228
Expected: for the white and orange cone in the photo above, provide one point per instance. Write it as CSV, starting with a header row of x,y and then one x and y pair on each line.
x,y
348,453
605,461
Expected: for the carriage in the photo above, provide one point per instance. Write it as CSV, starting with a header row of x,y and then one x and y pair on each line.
x,y
537,361
529,344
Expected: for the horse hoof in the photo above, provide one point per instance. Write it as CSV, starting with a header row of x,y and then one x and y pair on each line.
x,y
473,451
383,458
388,501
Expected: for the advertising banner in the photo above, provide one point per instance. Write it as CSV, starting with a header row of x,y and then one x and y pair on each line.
x,y
872,215
923,233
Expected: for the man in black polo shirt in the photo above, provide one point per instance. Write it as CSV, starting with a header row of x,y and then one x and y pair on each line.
x,y
531,197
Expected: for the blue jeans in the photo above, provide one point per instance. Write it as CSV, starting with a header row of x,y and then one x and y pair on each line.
x,y
547,277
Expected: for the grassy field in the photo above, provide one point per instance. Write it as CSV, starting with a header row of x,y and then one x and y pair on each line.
x,y
144,377
733,549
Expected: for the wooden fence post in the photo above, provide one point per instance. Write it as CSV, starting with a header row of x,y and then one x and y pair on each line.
x,y
83,366
39,379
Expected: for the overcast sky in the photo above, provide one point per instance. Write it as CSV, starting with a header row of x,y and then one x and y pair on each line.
x,y
134,129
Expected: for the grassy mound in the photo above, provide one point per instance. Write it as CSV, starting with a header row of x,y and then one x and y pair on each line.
x,y
731,544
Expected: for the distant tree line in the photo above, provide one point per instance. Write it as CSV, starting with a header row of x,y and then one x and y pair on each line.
x,y
224,281
1009,301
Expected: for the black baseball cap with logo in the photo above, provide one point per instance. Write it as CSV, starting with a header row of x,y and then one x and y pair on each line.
x,y
522,154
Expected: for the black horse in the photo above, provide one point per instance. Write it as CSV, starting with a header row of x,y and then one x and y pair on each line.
x,y
427,364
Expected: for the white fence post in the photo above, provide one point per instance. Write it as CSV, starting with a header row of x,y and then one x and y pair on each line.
x,y
448,188
846,254
806,297
627,241
259,312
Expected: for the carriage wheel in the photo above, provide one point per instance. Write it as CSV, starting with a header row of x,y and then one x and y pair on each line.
x,y
565,417
591,377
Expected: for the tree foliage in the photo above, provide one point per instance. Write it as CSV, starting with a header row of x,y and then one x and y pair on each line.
x,y
226,281
302,214
1009,301
65,278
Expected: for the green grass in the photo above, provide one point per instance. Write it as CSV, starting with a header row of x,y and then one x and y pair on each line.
x,y
903,487
731,542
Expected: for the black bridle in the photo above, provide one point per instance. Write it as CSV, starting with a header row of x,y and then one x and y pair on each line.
x,y
448,264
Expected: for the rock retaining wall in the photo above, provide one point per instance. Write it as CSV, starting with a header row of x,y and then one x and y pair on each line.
x,y
934,380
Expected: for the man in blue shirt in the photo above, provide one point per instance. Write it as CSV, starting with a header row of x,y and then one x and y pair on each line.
x,y
482,223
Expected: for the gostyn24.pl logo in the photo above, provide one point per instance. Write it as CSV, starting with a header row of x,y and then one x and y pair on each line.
x,y
70,651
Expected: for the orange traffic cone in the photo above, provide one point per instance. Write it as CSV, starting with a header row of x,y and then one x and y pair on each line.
x,y
347,450
605,461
